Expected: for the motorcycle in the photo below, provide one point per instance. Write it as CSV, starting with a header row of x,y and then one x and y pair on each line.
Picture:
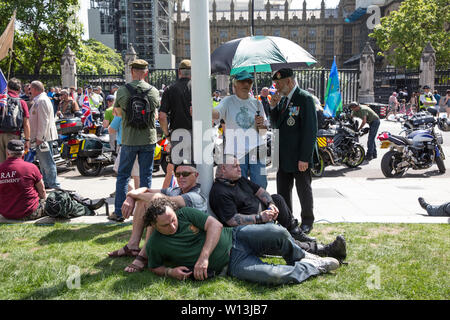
x,y
419,148
338,145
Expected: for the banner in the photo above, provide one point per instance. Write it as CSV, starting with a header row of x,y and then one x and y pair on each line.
x,y
7,38
333,99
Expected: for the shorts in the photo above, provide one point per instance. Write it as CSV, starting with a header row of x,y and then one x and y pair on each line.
x,y
38,213
134,171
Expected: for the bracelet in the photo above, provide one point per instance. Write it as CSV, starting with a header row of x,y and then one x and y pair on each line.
x,y
258,219
167,271
26,139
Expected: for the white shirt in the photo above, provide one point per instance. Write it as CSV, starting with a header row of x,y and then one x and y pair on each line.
x,y
240,132
42,119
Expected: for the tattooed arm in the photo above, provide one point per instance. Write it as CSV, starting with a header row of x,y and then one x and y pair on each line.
x,y
264,196
243,219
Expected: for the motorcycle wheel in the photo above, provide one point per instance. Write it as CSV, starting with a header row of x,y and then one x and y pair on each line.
x,y
318,167
356,156
88,169
389,162
441,165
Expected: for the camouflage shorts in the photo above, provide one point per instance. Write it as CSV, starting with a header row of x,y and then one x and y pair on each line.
x,y
38,213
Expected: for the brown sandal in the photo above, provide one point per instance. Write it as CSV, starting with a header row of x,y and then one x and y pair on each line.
x,y
136,267
127,252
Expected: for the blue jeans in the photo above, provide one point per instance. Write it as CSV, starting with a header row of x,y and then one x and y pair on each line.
x,y
48,167
128,154
252,241
371,147
251,164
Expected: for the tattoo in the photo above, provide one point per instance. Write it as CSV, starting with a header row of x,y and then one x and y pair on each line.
x,y
264,196
241,219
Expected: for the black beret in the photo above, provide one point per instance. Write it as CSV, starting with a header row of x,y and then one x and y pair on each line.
x,y
282,74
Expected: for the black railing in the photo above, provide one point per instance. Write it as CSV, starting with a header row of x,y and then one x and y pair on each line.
x,y
105,81
442,81
389,80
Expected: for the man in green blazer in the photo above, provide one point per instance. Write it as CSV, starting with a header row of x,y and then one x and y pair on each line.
x,y
293,113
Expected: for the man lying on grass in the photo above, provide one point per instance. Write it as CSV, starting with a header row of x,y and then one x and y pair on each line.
x,y
186,194
196,244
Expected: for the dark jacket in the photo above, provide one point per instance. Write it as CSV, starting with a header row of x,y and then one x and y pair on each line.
x,y
297,142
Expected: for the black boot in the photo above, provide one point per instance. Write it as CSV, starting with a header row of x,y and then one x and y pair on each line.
x,y
299,235
337,249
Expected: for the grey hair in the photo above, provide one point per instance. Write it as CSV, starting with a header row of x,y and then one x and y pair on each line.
x,y
37,85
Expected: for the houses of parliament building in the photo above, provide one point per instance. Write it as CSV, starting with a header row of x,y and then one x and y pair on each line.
x,y
323,32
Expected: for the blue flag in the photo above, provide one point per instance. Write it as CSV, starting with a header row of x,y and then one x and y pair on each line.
x,y
3,90
333,99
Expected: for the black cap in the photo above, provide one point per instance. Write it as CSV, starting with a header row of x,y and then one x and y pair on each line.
x,y
282,74
185,163
15,146
426,87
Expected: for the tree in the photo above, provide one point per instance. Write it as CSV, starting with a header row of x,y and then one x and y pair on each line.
x,y
94,57
44,28
403,34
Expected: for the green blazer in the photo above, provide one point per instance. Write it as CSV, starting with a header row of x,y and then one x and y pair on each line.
x,y
298,141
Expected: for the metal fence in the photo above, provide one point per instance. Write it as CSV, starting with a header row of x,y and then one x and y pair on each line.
x,y
389,80
442,81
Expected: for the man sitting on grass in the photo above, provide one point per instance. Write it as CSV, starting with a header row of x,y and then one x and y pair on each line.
x,y
22,191
442,210
237,201
196,244
187,194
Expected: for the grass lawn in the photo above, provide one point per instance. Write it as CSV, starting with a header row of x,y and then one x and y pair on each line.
x,y
385,261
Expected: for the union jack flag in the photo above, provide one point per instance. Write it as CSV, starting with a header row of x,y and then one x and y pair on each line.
x,y
173,182
86,119
3,92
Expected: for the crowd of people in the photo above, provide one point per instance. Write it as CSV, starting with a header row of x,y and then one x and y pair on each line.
x,y
182,240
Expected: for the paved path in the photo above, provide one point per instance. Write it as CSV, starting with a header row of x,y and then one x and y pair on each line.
x,y
342,195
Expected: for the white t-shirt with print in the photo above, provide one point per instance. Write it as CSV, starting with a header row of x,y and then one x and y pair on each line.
x,y
240,130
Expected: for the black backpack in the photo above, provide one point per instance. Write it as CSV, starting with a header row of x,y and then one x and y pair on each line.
x,y
65,204
11,116
138,108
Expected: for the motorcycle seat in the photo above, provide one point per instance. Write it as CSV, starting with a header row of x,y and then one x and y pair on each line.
x,y
102,138
401,139
326,133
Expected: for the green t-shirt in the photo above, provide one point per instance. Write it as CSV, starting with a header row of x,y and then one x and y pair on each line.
x,y
365,111
132,136
109,114
184,247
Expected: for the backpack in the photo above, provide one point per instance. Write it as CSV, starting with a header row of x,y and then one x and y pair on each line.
x,y
62,204
11,115
138,108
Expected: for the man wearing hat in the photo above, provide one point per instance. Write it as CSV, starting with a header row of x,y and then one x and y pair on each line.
x,y
246,127
293,113
136,142
367,115
175,118
22,191
426,99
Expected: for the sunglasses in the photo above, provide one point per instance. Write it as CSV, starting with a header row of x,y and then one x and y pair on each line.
x,y
184,174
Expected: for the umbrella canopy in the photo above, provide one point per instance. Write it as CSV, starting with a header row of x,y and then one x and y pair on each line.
x,y
258,54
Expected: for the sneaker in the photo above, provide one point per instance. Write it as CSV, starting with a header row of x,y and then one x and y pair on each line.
x,y
324,265
116,218
337,249
422,203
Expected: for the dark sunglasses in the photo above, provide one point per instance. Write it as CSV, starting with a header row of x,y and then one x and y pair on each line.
x,y
184,174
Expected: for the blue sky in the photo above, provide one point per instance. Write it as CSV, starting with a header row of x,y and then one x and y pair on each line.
x,y
296,4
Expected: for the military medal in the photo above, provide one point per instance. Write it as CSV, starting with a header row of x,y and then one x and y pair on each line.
x,y
291,121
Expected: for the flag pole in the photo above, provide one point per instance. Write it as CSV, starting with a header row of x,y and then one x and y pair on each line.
x,y
10,60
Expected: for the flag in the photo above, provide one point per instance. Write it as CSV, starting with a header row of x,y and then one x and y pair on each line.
x,y
273,89
173,182
3,92
333,99
7,38
86,119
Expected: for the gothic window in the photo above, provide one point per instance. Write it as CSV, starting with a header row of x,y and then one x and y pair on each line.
x,y
223,34
276,32
312,48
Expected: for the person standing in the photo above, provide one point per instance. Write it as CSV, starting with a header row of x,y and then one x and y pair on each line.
x,y
293,113
175,115
246,126
138,132
426,99
393,104
368,116
14,122
43,133
265,98
446,103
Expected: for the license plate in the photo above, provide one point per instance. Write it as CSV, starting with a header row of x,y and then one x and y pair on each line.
x,y
385,144
74,149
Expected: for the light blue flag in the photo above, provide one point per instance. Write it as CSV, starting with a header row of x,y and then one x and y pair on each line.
x,y
333,98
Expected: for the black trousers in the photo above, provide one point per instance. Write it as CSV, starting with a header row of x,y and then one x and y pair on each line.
x,y
285,216
285,183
